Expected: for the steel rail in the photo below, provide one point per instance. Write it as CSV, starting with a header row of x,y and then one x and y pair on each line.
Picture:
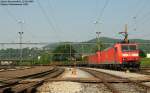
x,y
136,83
24,85
108,85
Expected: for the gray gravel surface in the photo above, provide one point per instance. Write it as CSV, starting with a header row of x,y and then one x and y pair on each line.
x,y
129,88
72,87
94,88
60,87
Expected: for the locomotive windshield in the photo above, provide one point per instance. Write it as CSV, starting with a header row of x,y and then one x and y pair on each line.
x,y
128,47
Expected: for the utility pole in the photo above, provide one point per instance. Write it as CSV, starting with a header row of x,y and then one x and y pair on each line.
x,y
125,34
135,25
98,40
20,38
70,52
82,52
98,35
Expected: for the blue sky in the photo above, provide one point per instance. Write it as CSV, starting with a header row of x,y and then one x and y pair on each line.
x,y
73,20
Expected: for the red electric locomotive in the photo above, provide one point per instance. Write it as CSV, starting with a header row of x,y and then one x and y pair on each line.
x,y
121,55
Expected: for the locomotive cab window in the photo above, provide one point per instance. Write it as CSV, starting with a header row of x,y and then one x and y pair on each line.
x,y
125,48
129,47
132,47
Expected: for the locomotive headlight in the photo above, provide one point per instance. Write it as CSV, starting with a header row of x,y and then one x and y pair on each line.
x,y
125,55
135,55
124,59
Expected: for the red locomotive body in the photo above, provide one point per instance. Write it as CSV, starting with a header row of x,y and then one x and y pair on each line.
x,y
121,55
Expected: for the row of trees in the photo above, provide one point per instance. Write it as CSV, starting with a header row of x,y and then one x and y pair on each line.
x,y
28,53
63,52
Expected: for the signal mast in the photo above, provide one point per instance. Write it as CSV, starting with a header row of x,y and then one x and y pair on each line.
x,y
125,34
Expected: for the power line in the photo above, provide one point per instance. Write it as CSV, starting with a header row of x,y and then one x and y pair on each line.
x,y
46,16
144,17
141,9
10,14
139,12
53,16
131,8
139,21
103,9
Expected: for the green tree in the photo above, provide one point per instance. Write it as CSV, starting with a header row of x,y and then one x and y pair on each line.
x,y
63,52
45,58
142,53
99,44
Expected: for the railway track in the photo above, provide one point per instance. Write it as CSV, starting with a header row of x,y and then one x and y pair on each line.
x,y
112,83
13,80
12,68
145,70
119,85
28,84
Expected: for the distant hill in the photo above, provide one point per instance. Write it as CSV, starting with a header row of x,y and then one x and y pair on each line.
x,y
105,40
89,48
112,40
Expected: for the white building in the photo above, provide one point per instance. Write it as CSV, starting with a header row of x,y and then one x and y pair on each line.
x,y
148,55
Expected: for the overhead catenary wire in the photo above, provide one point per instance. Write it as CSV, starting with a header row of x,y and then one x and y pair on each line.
x,y
141,9
103,9
16,19
136,10
142,19
10,14
53,15
99,17
46,16
132,8
138,15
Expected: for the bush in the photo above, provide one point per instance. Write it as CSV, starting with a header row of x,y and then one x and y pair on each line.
x,y
145,61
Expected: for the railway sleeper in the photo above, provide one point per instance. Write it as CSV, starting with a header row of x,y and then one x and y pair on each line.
x,y
5,90
23,88
135,82
30,87
108,85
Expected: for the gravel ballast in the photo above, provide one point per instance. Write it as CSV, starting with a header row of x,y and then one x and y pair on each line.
x,y
128,88
131,76
72,87
60,87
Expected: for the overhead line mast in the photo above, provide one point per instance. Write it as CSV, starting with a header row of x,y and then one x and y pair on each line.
x,y
125,34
